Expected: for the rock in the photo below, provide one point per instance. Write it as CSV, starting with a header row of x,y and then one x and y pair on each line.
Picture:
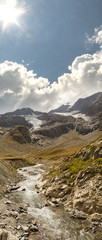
x,y
96,217
25,228
4,235
2,225
8,202
14,188
100,188
34,222
63,186
13,214
61,195
22,210
18,227
33,228
52,192
74,213
98,152
55,200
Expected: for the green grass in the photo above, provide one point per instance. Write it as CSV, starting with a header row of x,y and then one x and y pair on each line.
x,y
55,153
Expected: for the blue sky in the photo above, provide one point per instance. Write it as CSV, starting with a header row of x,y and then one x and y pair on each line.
x,y
52,35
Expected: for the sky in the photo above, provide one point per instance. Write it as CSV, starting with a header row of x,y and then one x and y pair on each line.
x,y
50,52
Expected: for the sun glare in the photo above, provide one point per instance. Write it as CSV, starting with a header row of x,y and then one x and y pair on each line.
x,y
9,13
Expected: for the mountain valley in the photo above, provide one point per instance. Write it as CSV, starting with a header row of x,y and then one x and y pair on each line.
x,y
64,149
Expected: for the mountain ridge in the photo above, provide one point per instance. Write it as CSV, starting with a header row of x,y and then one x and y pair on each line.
x,y
90,105
23,111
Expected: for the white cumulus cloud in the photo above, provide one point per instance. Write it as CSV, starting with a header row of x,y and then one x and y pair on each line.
x,y
22,88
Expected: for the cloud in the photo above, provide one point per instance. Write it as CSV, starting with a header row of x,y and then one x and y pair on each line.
x,y
97,37
22,88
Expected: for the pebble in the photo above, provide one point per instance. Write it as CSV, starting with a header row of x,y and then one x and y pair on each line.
x,y
18,227
8,202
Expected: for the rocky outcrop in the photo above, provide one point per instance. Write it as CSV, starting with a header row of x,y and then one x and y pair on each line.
x,y
20,134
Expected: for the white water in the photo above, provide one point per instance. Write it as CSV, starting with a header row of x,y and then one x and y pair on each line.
x,y
54,224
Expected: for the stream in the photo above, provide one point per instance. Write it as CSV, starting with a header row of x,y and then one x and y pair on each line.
x,y
54,223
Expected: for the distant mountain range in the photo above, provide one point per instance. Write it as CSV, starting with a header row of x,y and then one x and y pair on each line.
x,y
91,106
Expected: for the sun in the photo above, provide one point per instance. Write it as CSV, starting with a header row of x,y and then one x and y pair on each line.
x,y
9,13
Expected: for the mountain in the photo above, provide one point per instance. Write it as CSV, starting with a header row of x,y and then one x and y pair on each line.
x,y
10,121
90,106
62,109
55,125
22,111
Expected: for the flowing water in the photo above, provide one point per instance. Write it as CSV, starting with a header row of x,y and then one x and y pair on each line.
x,y
54,223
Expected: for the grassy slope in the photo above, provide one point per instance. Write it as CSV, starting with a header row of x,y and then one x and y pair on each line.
x,y
68,166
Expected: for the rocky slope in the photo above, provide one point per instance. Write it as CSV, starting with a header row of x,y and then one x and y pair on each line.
x,y
8,173
76,182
